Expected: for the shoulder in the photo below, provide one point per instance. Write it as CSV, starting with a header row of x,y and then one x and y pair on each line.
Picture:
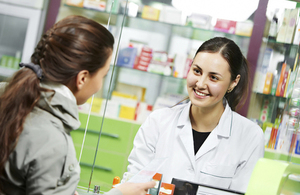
x,y
246,126
163,118
42,136
168,112
44,122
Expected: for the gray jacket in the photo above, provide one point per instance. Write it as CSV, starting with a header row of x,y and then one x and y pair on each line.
x,y
44,160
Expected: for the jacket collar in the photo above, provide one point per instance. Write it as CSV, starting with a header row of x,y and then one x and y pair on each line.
x,y
62,106
222,129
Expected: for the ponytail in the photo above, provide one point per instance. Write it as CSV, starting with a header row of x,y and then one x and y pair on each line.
x,y
237,97
73,44
19,97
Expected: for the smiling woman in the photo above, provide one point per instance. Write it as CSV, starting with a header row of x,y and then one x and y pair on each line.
x,y
209,79
204,140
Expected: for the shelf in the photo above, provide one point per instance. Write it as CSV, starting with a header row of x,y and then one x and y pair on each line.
x,y
277,155
7,72
165,23
267,40
141,71
269,95
118,119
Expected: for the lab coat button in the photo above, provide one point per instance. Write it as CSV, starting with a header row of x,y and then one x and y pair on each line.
x,y
71,167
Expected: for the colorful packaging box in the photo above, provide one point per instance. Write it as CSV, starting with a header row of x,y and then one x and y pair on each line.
x,y
227,26
150,13
95,4
126,57
77,3
143,61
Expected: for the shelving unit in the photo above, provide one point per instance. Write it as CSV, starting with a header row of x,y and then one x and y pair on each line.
x,y
273,97
6,72
174,39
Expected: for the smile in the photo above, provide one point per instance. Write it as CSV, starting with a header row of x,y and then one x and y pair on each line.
x,y
200,94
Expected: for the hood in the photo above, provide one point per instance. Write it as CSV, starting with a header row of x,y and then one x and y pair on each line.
x,y
61,107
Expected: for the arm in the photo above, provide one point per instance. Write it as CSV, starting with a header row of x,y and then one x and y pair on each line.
x,y
46,169
255,151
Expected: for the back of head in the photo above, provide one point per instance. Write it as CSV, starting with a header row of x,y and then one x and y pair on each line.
x,y
238,65
73,44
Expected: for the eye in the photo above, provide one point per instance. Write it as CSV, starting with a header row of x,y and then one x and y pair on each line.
x,y
196,71
214,78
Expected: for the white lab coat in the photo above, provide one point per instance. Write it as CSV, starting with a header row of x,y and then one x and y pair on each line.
x,y
226,159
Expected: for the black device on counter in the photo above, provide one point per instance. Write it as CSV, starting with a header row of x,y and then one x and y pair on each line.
x,y
183,187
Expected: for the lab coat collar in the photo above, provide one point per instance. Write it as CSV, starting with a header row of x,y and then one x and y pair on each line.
x,y
222,129
186,134
225,124
184,117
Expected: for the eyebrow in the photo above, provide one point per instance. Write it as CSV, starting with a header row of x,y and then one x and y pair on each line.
x,y
215,73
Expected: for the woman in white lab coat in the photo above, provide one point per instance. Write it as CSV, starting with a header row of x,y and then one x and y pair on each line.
x,y
205,140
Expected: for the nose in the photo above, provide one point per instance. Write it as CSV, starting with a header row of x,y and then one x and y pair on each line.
x,y
202,82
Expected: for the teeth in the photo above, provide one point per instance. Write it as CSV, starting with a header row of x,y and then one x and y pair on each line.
x,y
201,94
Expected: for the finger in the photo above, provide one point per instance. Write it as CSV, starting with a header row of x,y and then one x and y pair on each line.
x,y
149,184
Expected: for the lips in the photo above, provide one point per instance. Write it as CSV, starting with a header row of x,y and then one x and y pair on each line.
x,y
200,93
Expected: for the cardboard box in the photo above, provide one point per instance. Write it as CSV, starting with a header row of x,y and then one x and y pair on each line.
x,y
244,28
268,83
77,3
127,57
227,26
283,28
95,4
291,25
143,61
150,13
199,21
170,15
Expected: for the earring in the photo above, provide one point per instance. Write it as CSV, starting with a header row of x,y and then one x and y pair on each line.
x,y
229,90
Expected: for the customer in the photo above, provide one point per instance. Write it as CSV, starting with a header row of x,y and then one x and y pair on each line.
x,y
38,110
204,140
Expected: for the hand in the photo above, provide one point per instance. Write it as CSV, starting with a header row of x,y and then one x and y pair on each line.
x,y
135,188
76,193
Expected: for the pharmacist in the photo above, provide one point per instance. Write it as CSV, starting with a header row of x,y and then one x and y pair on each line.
x,y
205,141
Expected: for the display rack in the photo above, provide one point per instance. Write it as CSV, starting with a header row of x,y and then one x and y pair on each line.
x,y
274,100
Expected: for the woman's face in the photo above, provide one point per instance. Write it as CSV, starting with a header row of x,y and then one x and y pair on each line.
x,y
93,83
208,80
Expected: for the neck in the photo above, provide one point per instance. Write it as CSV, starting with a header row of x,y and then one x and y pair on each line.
x,y
205,119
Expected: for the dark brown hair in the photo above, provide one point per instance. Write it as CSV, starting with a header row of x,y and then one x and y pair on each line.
x,y
70,46
237,63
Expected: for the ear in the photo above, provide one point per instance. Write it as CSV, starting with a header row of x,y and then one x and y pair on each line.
x,y
234,82
81,78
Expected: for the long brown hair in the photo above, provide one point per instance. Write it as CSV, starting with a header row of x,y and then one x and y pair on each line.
x,y
71,45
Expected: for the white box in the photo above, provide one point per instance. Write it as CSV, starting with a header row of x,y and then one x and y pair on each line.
x,y
283,28
170,15
291,25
